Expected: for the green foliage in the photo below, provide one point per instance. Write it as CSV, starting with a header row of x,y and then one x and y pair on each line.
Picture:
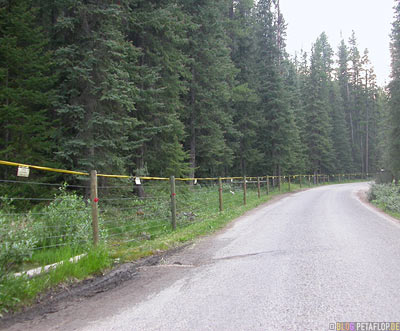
x,y
16,240
96,93
26,82
159,29
182,87
386,196
207,117
394,102
16,292
318,122
65,221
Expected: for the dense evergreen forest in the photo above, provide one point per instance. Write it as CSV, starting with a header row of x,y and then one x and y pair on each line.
x,y
189,88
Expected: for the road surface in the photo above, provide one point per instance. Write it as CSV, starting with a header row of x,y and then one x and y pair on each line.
x,y
313,258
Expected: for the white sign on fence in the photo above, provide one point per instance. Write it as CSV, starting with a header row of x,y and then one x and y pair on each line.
x,y
23,171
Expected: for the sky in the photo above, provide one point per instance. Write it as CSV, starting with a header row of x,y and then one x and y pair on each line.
x,y
371,21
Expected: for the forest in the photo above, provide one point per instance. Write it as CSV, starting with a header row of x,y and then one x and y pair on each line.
x,y
188,88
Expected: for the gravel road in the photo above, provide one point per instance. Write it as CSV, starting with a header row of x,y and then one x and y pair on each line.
x,y
313,258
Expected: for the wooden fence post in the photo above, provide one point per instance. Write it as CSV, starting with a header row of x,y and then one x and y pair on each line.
x,y
173,202
220,194
94,202
244,190
279,183
267,185
258,187
300,180
289,182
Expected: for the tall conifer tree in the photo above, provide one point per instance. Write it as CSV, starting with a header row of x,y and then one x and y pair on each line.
x,y
394,89
26,82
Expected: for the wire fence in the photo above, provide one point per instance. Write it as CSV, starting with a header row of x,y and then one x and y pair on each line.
x,y
37,225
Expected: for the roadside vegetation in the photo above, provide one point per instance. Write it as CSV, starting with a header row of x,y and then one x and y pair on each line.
x,y
387,198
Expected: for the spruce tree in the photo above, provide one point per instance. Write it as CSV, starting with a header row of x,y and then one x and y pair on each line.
x,y
244,96
343,78
340,135
318,122
208,118
159,29
394,90
276,117
96,93
26,85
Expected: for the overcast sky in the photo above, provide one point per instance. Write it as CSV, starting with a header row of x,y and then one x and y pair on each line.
x,y
370,19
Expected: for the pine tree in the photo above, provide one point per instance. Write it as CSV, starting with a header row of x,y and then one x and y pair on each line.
x,y
394,90
318,123
159,29
26,85
276,122
369,114
208,119
356,104
343,78
297,162
96,93
340,135
244,96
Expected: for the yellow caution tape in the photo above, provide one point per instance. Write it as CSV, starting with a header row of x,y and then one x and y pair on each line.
x,y
113,176
44,168
79,173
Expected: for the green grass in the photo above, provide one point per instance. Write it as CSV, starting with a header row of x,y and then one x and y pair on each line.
x,y
387,210
44,257
16,292
387,198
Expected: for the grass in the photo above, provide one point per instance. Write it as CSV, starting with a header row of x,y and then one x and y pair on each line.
x,y
387,198
44,257
17,292
133,234
383,207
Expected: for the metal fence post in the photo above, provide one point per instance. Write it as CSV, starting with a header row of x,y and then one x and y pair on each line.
x,y
173,202
94,203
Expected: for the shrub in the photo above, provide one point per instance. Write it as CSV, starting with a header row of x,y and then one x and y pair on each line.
x,y
386,195
16,239
66,220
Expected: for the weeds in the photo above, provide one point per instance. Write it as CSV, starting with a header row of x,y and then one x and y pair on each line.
x,y
386,197
16,292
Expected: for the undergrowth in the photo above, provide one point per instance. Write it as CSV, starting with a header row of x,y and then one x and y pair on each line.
x,y
386,197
